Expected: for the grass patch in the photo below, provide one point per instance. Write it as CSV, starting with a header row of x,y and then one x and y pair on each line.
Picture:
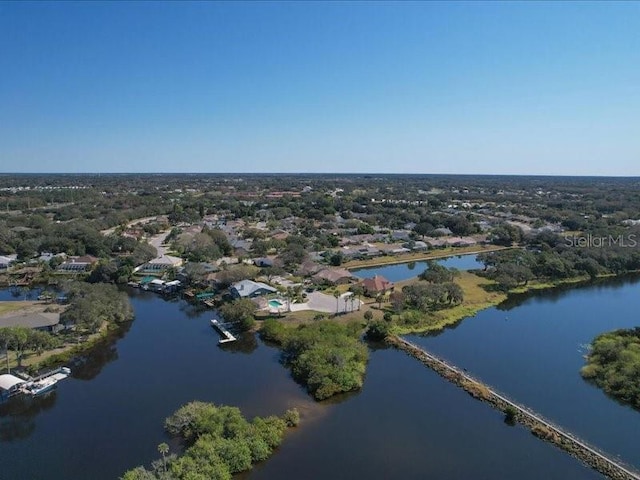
x,y
9,307
478,295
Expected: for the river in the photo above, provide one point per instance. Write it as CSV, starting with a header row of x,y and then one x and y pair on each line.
x,y
406,422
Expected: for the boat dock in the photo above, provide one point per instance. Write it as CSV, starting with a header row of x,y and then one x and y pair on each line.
x,y
226,334
45,382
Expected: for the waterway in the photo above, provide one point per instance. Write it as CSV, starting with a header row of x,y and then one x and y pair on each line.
x,y
533,348
404,271
406,422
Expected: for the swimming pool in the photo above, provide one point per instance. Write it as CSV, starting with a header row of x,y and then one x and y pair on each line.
x,y
275,304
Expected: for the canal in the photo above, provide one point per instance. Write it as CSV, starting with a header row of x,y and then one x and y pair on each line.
x,y
406,422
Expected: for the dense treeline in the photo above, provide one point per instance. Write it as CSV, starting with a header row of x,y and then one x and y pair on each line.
x,y
92,306
76,237
219,440
550,256
327,357
613,364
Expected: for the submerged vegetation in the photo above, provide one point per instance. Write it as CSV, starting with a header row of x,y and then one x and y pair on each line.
x,y
614,365
326,357
220,442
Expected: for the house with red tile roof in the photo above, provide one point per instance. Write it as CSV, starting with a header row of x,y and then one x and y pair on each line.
x,y
377,284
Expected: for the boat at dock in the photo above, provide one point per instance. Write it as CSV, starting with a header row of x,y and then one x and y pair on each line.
x,y
44,383
39,388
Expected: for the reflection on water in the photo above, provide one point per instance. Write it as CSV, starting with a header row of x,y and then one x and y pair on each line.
x,y
534,353
246,343
18,413
406,422
88,366
404,271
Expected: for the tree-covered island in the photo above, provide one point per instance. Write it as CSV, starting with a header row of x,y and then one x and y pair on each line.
x,y
219,441
613,364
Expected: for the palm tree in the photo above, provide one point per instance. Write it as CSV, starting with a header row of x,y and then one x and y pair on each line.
x,y
346,299
336,294
358,291
379,299
163,448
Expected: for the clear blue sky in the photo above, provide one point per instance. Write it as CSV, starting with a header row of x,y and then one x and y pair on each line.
x,y
524,88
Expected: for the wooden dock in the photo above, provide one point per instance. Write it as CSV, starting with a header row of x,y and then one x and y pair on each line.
x,y
226,334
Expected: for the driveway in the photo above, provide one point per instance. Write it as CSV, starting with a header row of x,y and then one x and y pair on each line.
x,y
321,302
158,240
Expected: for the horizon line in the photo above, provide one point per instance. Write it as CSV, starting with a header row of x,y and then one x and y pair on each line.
x,y
334,173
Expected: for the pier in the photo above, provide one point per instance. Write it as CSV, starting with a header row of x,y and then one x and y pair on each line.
x,y
540,427
226,334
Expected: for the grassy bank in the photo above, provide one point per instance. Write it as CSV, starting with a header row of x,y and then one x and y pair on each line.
x,y
10,307
479,294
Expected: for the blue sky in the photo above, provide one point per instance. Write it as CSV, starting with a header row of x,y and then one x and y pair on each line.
x,y
492,88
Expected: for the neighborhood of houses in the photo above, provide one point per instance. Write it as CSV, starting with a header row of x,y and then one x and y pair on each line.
x,y
256,261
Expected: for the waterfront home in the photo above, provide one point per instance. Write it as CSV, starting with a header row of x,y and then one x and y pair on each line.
x,y
160,264
333,276
376,285
250,289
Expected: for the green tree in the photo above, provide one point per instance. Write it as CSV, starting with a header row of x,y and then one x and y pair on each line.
x,y
163,448
336,295
378,330
240,311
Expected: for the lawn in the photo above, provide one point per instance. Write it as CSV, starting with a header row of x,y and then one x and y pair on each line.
x,y
8,307
476,298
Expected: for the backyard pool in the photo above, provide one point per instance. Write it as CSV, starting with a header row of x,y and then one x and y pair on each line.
x,y
276,303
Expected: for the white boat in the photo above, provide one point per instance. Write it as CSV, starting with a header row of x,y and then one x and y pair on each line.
x,y
40,387
46,383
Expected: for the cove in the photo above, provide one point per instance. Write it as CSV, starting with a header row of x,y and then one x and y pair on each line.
x,y
404,271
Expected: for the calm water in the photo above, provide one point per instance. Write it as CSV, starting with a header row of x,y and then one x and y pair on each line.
x,y
405,423
533,351
405,271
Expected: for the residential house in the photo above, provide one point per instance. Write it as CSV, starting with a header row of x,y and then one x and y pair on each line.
x,y
250,289
333,276
45,321
77,264
377,284
160,264
308,268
